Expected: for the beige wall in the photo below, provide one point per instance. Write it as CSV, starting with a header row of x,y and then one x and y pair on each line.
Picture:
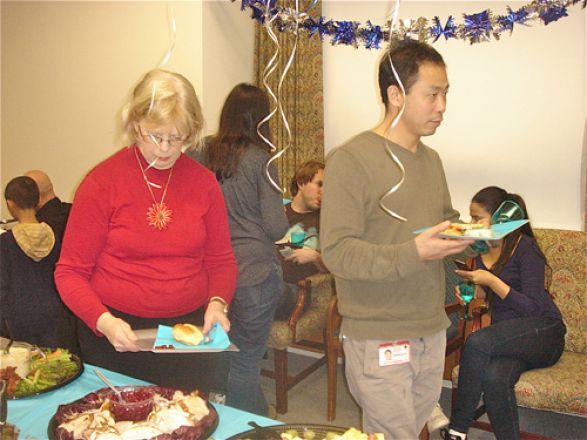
x,y
67,68
516,111
516,108
228,46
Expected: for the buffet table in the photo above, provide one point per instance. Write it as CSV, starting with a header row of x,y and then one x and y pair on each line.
x,y
32,415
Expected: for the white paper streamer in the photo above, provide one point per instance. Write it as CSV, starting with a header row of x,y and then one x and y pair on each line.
x,y
267,72
163,62
395,121
280,106
173,26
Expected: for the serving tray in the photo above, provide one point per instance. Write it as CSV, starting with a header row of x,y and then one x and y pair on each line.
x,y
274,432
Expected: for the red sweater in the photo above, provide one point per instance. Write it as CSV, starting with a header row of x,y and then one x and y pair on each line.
x,y
112,257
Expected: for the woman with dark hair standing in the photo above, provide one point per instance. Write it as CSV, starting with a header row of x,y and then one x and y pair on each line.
x,y
238,156
527,329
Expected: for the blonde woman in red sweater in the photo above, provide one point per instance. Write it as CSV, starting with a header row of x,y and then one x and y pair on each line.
x,y
148,242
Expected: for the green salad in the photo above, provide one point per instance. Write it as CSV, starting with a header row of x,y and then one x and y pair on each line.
x,y
48,369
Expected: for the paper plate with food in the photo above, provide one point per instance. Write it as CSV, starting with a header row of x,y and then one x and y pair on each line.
x,y
476,231
139,412
30,371
184,338
300,431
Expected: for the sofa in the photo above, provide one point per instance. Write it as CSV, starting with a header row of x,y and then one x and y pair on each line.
x,y
562,387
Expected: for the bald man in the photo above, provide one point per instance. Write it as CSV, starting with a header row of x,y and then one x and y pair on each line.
x,y
51,209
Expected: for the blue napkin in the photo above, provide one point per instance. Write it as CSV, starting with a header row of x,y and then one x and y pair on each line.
x,y
498,231
219,340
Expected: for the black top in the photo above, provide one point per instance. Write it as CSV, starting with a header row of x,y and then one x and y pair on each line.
x,y
29,302
308,222
55,214
524,273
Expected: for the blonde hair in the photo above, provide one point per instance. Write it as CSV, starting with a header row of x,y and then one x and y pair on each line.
x,y
162,98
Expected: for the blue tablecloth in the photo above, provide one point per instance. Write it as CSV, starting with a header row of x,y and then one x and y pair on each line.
x,y
32,415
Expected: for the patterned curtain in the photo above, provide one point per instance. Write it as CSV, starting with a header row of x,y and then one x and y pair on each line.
x,y
302,94
584,176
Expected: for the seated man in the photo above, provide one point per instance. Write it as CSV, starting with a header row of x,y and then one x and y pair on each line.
x,y
28,299
300,248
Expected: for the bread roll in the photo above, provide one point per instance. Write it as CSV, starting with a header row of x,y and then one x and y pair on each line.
x,y
187,334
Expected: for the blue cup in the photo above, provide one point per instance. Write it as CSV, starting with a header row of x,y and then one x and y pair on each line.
x,y
297,239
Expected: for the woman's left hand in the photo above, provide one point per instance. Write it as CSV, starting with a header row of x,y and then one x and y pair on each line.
x,y
215,314
479,276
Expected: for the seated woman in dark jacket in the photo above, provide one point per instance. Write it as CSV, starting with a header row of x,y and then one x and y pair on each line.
x,y
527,329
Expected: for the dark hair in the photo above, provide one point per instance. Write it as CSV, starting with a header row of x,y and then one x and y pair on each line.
x,y
407,57
245,106
304,174
23,191
491,198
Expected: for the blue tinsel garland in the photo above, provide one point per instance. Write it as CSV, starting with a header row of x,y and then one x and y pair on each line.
x,y
475,28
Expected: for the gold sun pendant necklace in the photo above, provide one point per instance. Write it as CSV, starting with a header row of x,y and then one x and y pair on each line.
x,y
158,215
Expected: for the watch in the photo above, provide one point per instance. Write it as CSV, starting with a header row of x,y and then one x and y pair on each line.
x,y
220,300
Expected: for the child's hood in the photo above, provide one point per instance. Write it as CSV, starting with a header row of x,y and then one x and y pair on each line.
x,y
35,239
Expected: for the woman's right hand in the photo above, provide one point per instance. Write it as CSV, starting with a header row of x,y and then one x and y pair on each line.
x,y
479,294
118,332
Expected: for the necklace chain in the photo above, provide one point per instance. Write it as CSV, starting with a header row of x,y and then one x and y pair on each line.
x,y
158,215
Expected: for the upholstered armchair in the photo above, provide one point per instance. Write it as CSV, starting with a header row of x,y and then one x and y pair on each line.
x,y
300,330
562,387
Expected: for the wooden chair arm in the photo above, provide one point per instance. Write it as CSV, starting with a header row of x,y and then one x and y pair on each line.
x,y
479,313
454,307
456,343
304,287
333,320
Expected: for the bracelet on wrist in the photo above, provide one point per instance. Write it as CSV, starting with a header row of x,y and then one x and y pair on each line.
x,y
221,301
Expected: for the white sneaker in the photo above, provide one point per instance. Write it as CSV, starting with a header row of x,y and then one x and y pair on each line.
x,y
437,419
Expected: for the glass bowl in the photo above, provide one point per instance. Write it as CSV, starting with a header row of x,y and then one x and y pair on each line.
x,y
136,403
18,356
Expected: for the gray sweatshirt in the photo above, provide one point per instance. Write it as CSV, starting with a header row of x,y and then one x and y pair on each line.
x,y
255,213
384,290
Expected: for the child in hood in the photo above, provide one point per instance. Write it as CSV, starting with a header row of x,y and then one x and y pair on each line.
x,y
30,306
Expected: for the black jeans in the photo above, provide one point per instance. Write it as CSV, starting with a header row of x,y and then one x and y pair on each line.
x,y
493,360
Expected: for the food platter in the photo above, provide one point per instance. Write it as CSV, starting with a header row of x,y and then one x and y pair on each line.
x,y
274,432
209,425
64,381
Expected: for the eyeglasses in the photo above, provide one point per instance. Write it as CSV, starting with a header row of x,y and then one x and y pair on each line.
x,y
155,138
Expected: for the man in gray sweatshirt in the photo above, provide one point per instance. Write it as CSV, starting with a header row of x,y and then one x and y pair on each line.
x,y
390,282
